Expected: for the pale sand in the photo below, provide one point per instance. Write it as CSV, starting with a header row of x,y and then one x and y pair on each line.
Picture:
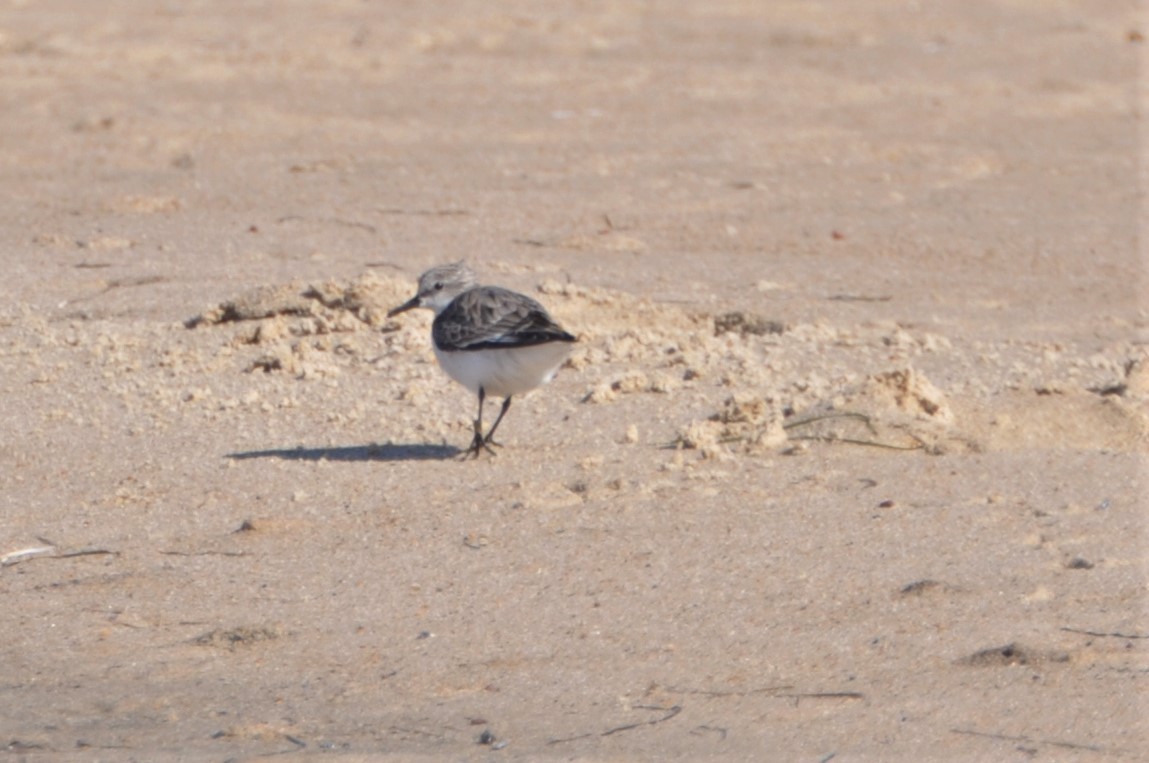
x,y
751,214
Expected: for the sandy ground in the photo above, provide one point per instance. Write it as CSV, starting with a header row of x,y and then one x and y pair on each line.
x,y
848,463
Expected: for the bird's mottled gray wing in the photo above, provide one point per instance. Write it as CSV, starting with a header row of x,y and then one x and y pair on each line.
x,y
492,317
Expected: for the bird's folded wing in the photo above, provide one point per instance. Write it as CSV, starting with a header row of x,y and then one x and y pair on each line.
x,y
491,317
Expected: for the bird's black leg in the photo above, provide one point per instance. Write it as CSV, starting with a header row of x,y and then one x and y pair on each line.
x,y
478,442
489,439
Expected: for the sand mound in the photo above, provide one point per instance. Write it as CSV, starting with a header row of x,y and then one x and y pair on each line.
x,y
319,308
898,410
745,424
767,385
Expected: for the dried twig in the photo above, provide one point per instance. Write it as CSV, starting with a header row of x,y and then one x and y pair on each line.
x,y
1029,740
24,554
120,283
445,212
772,690
859,298
679,442
835,415
850,440
328,220
825,695
204,553
15,557
700,730
564,740
670,712
86,552
871,443
1104,634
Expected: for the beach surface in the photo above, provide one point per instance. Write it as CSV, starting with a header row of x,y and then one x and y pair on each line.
x,y
847,464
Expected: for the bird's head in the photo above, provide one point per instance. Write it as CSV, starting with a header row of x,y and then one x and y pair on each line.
x,y
438,286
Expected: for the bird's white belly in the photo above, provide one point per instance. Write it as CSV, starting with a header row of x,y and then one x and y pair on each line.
x,y
504,372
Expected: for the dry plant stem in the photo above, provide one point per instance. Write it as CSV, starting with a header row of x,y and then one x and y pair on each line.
x,y
1104,634
1029,740
850,440
837,415
670,712
871,443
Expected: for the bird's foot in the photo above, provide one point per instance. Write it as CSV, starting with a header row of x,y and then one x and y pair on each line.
x,y
479,444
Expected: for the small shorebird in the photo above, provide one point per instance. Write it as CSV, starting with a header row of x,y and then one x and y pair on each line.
x,y
491,340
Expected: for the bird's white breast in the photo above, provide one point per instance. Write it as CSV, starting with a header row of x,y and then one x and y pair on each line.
x,y
503,372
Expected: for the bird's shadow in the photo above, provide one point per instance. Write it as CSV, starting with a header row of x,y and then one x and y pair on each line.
x,y
387,452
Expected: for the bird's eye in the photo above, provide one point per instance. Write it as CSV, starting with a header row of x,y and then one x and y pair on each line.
x,y
438,286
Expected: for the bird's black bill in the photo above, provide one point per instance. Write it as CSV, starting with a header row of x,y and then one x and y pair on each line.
x,y
408,305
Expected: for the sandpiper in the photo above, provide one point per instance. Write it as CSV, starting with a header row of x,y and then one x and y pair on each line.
x,y
491,340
